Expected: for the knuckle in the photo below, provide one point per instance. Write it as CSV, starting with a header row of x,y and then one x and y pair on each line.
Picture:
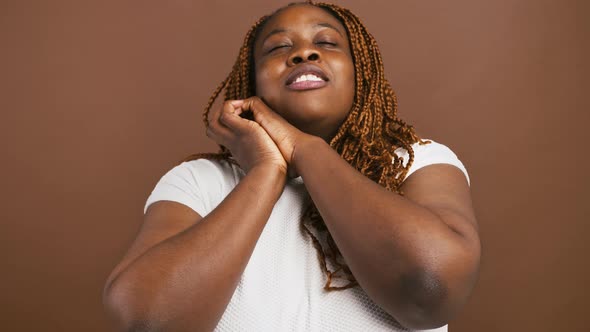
x,y
256,101
222,108
252,102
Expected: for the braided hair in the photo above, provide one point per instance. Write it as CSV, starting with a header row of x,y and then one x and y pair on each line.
x,y
366,139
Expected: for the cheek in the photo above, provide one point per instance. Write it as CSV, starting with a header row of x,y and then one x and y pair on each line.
x,y
349,83
266,79
261,78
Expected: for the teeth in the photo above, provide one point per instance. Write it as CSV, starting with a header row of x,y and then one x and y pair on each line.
x,y
308,77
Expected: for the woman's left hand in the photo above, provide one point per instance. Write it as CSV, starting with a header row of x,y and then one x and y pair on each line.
x,y
285,135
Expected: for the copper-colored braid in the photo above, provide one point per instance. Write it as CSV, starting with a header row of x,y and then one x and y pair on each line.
x,y
366,140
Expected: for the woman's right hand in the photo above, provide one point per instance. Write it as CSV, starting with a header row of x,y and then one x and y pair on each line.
x,y
248,142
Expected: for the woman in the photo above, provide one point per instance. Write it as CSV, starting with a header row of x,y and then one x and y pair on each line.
x,y
323,210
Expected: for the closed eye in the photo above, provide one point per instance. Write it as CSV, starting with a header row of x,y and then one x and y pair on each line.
x,y
326,43
276,48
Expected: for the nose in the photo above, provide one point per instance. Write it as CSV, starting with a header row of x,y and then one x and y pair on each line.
x,y
303,55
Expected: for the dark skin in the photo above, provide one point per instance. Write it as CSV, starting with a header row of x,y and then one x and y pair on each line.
x,y
416,256
309,37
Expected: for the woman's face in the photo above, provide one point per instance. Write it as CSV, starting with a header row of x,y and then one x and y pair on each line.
x,y
304,69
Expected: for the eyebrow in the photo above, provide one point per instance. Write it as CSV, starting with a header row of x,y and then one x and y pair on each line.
x,y
319,25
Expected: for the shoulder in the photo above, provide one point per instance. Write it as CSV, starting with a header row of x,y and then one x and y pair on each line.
x,y
196,183
430,153
202,169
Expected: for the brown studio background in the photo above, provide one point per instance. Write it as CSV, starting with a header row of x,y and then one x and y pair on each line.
x,y
99,99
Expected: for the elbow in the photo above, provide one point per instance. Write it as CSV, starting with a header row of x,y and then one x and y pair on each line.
x,y
433,293
433,296
426,302
122,308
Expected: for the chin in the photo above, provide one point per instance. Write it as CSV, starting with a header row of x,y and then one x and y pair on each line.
x,y
308,112
304,113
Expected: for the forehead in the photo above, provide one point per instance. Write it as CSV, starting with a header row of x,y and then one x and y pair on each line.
x,y
299,17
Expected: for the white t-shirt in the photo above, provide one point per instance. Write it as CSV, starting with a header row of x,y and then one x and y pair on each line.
x,y
281,288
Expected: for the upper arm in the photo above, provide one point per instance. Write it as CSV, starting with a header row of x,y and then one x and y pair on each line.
x,y
443,190
163,219
171,207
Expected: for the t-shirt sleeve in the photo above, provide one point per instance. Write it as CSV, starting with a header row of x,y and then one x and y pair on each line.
x,y
183,184
429,154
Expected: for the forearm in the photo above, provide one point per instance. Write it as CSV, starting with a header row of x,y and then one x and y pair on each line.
x,y
393,246
186,281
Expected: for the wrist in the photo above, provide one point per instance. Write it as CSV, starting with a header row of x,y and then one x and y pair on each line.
x,y
303,147
273,172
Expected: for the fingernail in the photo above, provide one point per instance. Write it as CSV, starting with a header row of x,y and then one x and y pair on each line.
x,y
236,103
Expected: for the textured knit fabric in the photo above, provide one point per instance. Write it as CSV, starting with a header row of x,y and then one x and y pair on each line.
x,y
281,288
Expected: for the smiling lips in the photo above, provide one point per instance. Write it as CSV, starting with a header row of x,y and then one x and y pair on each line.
x,y
307,77
306,82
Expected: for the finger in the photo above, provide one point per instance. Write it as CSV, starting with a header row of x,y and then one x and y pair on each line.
x,y
216,130
230,118
237,103
217,136
234,122
263,115
213,114
219,133
227,105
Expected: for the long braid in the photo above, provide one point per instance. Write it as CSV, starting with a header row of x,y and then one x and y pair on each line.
x,y
366,139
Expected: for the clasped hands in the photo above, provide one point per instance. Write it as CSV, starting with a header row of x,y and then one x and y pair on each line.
x,y
267,140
